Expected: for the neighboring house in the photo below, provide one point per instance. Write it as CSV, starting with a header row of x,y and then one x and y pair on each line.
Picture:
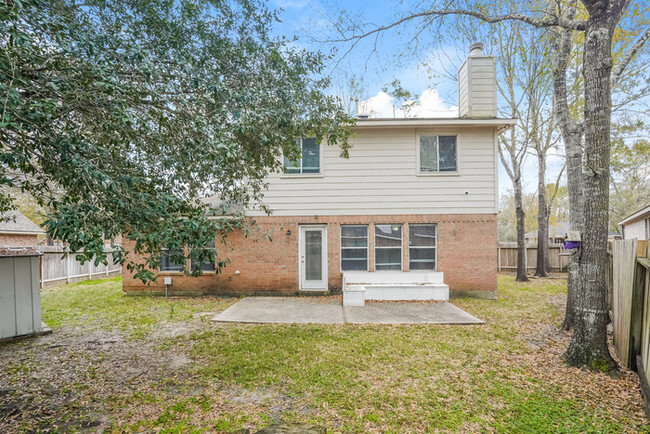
x,y
637,225
614,236
415,194
16,230
556,233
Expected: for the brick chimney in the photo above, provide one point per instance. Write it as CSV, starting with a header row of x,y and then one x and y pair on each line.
x,y
477,86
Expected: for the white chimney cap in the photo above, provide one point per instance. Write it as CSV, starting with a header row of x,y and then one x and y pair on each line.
x,y
476,49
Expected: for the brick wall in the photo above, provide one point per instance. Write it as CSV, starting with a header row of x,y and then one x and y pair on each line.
x,y
17,240
466,254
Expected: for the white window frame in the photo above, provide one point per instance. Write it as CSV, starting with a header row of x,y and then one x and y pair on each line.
x,y
435,247
355,248
299,167
437,134
161,270
401,245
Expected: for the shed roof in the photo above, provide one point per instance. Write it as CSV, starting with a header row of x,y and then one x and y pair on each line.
x,y
11,253
15,222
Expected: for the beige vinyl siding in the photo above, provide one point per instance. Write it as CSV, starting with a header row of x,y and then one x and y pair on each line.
x,y
381,177
477,96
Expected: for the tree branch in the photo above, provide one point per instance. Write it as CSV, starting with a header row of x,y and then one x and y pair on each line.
x,y
620,68
550,21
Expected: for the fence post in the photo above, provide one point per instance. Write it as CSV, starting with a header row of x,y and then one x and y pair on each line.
x,y
498,258
90,270
108,264
67,267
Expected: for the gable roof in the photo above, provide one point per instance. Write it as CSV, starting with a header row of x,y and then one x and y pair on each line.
x,y
14,222
643,212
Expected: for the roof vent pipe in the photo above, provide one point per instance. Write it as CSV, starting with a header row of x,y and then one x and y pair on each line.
x,y
476,49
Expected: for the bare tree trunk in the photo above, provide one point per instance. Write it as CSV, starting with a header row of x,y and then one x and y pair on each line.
x,y
588,345
521,229
572,136
542,266
572,140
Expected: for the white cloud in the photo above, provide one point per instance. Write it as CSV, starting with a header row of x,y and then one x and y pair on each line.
x,y
429,105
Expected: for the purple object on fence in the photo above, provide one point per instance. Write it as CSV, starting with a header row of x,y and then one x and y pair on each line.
x,y
572,244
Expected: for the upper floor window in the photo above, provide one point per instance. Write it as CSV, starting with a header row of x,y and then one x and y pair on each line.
x,y
309,162
438,154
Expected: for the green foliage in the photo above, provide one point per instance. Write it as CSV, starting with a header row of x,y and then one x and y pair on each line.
x,y
506,219
630,172
118,116
404,97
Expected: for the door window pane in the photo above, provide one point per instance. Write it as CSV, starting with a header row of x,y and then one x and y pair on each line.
x,y
313,255
422,247
388,247
354,247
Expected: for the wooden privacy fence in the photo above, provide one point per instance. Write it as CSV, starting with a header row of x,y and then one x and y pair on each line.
x,y
59,266
629,304
507,257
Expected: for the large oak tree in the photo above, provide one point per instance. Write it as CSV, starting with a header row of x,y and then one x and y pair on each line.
x,y
119,116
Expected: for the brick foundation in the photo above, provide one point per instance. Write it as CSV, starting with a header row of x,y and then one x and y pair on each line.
x,y
465,242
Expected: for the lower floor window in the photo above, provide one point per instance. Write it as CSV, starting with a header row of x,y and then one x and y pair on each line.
x,y
422,247
207,265
354,247
172,260
388,247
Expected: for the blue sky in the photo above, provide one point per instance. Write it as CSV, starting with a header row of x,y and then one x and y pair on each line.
x,y
427,66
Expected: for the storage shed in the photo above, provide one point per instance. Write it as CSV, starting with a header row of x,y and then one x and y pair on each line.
x,y
20,293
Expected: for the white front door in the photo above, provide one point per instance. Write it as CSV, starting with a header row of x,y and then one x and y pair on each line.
x,y
313,258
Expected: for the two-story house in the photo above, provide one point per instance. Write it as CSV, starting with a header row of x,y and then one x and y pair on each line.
x,y
414,194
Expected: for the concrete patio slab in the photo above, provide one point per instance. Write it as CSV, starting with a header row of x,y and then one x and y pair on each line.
x,y
305,310
284,310
408,313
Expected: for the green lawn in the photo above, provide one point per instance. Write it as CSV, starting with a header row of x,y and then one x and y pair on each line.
x,y
155,364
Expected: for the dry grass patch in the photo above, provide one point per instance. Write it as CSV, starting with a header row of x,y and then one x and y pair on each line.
x,y
154,364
